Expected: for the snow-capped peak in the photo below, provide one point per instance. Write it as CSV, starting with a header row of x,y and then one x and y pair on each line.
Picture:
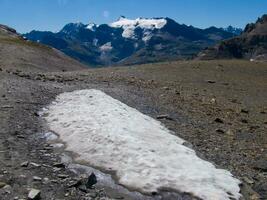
x,y
130,25
91,26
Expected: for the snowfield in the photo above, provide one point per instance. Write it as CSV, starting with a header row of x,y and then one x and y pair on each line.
x,y
129,26
144,154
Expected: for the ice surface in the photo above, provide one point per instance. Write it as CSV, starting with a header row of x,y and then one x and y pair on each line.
x,y
144,154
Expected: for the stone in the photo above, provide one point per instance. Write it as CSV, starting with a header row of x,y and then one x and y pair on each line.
x,y
24,164
7,189
34,194
46,180
37,178
211,81
92,180
35,164
261,164
59,165
218,120
62,176
220,131
166,88
248,180
244,121
165,117
2,184
244,111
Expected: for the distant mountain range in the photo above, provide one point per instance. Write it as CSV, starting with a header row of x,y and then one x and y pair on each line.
x,y
251,44
127,41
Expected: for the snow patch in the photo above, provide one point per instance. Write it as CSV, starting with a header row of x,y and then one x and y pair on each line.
x,y
106,47
91,26
129,25
144,154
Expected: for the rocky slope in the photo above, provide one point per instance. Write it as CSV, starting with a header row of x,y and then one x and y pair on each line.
x,y
131,41
251,44
18,53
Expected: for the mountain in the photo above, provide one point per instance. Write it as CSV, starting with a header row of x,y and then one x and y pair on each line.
x,y
251,44
235,31
127,41
18,53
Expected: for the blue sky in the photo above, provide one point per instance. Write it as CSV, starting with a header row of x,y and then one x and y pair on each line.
x,y
26,15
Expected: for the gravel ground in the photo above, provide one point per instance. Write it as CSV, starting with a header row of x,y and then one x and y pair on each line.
x,y
219,107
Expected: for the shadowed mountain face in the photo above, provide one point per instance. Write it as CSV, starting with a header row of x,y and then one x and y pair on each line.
x,y
18,53
251,44
131,41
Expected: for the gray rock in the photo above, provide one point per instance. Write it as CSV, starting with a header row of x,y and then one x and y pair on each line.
x,y
35,164
37,178
91,180
59,165
165,117
34,194
62,176
261,164
218,120
2,184
24,164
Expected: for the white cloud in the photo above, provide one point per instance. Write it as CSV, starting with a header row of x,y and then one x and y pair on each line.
x,y
106,14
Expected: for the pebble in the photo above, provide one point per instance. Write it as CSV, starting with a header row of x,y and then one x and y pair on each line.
x,y
37,178
2,184
34,194
91,180
59,165
218,120
63,176
35,164
220,131
24,164
248,180
165,117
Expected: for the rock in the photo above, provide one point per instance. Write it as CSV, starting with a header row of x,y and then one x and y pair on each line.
x,y
35,164
24,164
62,176
165,117
76,183
166,88
213,100
218,120
37,178
211,81
7,189
34,194
244,121
92,180
248,180
261,188
45,180
261,164
244,111
220,131
2,184
59,165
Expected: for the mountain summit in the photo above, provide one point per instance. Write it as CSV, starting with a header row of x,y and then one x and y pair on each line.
x,y
251,44
130,41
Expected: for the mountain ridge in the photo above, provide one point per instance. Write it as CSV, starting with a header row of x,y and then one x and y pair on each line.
x,y
130,41
251,44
